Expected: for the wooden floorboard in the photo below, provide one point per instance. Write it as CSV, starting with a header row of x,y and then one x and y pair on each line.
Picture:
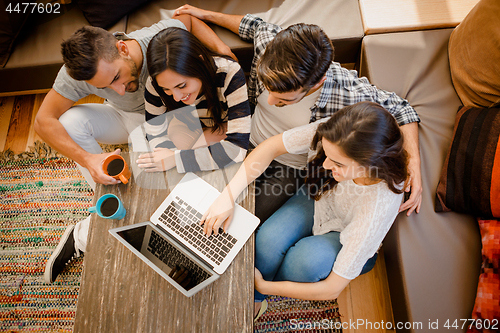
x,y
20,122
6,107
365,298
17,119
33,136
90,99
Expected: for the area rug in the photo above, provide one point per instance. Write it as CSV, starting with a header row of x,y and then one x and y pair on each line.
x,y
290,315
40,195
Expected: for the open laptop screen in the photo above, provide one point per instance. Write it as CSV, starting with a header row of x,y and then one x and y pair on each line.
x,y
165,255
134,236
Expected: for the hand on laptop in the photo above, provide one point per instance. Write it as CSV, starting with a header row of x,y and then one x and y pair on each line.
x,y
221,211
161,159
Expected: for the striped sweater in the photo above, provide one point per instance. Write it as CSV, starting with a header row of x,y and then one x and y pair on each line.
x,y
232,93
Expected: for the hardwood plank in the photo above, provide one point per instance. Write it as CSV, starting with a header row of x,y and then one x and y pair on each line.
x,y
20,121
372,290
346,308
367,298
90,99
24,92
6,107
32,135
119,292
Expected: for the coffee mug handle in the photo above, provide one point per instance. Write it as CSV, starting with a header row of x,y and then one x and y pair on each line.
x,y
93,209
123,179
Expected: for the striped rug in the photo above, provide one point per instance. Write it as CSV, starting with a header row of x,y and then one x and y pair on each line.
x,y
291,315
40,195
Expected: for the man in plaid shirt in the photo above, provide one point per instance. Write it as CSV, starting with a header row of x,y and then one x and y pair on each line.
x,y
294,67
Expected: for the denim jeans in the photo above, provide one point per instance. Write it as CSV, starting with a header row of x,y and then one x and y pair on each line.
x,y
286,249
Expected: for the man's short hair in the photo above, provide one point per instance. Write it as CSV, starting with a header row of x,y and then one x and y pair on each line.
x,y
297,58
84,48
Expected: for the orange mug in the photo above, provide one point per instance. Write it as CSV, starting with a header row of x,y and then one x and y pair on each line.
x,y
116,167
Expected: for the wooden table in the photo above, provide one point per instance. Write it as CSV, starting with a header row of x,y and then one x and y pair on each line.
x,y
381,16
120,293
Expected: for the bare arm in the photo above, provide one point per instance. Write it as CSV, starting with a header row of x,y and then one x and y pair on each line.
x,y
256,163
205,34
50,129
410,133
230,22
221,211
327,289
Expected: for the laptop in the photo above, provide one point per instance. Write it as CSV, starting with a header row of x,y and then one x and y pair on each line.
x,y
173,243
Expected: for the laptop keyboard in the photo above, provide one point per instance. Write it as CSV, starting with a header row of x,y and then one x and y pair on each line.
x,y
185,221
172,257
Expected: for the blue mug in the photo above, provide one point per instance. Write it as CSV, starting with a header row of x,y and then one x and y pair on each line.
x,y
109,206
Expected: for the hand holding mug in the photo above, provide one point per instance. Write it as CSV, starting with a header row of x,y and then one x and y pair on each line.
x,y
116,167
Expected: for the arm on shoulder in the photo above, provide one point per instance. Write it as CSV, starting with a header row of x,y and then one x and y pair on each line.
x,y
230,22
205,34
186,20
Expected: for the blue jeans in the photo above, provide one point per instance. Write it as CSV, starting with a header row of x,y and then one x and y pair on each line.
x,y
286,249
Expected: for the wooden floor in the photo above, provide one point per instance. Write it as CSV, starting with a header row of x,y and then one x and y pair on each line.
x,y
365,298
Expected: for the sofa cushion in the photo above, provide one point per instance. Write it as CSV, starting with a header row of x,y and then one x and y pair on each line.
x,y
37,58
486,311
432,259
470,179
342,23
475,57
11,23
105,13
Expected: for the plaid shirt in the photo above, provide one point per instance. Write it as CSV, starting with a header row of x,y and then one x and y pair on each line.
x,y
342,87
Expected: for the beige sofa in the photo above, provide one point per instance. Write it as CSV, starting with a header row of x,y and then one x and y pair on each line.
x,y
36,58
433,259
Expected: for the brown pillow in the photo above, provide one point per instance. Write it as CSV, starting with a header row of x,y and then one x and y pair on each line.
x,y
105,13
474,54
470,178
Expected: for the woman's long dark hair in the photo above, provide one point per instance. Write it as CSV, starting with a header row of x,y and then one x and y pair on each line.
x,y
178,50
368,134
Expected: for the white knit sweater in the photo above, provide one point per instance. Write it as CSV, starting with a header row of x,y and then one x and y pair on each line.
x,y
363,214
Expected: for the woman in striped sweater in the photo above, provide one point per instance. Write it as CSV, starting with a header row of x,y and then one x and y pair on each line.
x,y
197,110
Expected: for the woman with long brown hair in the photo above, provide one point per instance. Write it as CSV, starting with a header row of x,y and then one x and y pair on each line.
x,y
197,109
330,232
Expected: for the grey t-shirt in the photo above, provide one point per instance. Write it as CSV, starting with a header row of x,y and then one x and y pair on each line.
x,y
131,101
